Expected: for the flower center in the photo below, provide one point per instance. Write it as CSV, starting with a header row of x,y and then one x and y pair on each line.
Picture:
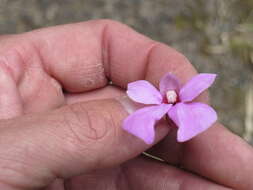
x,y
171,96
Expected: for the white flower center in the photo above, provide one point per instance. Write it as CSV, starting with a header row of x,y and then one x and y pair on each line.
x,y
171,96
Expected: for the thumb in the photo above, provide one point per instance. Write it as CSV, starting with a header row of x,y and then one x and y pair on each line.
x,y
75,139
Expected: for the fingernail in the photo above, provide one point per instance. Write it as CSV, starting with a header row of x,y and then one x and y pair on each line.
x,y
129,105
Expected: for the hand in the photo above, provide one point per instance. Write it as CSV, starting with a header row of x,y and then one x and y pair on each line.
x,y
73,139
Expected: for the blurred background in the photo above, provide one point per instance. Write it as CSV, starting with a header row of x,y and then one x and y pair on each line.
x,y
215,35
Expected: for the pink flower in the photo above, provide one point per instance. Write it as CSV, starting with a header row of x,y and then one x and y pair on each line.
x,y
192,118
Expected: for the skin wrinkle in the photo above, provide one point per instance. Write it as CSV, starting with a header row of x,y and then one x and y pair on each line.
x,y
4,63
39,55
58,91
78,116
24,47
149,54
20,171
29,66
55,83
105,52
11,104
107,47
39,45
106,58
123,177
72,131
93,129
39,88
16,70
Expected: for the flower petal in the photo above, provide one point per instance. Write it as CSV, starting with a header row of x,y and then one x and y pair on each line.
x,y
195,86
169,82
141,123
143,92
191,119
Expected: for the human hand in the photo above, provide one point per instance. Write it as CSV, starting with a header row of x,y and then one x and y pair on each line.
x,y
73,140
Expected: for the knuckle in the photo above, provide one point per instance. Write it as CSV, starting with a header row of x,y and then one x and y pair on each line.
x,y
17,54
14,67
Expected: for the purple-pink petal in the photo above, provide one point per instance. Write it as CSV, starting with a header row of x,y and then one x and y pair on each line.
x,y
195,86
143,92
169,82
191,119
142,122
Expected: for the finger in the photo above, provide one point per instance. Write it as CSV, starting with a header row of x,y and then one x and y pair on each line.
x,y
164,176
142,173
82,56
216,154
106,49
75,139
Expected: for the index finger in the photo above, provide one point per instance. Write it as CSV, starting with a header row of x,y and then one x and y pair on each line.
x,y
84,56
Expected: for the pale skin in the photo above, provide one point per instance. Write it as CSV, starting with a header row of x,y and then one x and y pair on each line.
x,y
53,139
